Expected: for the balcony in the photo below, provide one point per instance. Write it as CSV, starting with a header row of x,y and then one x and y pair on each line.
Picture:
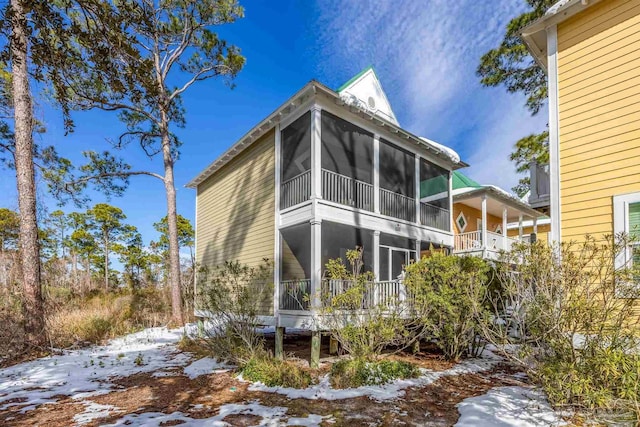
x,y
346,191
540,185
295,190
472,242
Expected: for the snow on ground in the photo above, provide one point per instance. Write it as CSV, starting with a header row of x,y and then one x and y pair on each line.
x,y
393,390
508,407
83,373
205,366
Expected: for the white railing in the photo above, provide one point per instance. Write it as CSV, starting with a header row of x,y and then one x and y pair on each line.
x,y
375,294
466,242
295,190
295,294
472,241
434,216
347,191
397,205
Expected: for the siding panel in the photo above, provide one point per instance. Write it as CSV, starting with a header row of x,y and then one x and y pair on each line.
x,y
599,90
236,211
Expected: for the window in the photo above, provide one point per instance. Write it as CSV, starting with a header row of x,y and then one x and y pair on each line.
x,y
626,219
461,221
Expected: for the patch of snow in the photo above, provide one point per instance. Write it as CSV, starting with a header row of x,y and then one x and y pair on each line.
x,y
83,373
271,416
205,366
508,407
310,420
93,411
392,390
450,152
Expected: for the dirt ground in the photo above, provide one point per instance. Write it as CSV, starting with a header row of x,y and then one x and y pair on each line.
x,y
432,405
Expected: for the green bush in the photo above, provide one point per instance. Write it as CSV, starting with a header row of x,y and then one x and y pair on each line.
x,y
449,294
276,373
360,372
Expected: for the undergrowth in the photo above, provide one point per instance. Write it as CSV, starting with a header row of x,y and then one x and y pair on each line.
x,y
276,373
350,373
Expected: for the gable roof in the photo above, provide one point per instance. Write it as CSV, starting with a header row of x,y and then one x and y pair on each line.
x,y
365,90
313,89
534,35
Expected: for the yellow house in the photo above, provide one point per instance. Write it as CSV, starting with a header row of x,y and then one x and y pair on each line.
x,y
591,52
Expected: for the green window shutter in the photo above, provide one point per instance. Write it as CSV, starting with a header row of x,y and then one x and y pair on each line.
x,y
634,220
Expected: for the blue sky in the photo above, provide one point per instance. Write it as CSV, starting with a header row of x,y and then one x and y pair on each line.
x,y
425,53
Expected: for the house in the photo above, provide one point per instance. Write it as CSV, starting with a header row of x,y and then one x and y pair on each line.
x,y
325,172
591,52
475,205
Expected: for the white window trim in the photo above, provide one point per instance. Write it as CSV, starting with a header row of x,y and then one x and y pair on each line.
x,y
621,225
466,223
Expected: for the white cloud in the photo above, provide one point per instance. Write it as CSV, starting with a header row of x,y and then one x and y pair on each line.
x,y
426,54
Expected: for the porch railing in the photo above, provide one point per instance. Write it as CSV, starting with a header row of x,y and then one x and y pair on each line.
x,y
295,190
434,216
347,191
472,241
295,294
397,205
375,294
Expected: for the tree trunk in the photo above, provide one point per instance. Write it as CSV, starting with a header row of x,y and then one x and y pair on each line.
x,y
25,178
172,223
106,262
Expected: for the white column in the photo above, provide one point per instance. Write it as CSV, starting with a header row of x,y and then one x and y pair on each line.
x,y
376,173
451,201
554,134
316,262
535,225
376,254
418,246
316,152
520,227
484,221
277,250
417,179
504,227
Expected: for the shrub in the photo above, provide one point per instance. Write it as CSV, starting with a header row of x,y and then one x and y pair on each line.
x,y
448,294
232,296
362,325
276,373
360,372
570,311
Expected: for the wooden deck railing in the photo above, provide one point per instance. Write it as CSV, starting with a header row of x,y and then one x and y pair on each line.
x,y
295,190
347,191
397,205
434,216
375,294
472,241
295,294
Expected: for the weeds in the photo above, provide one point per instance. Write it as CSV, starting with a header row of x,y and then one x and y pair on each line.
x,y
276,373
350,373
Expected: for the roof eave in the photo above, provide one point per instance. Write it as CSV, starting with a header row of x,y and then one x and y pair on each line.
x,y
512,201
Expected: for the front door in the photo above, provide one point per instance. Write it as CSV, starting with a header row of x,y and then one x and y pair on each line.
x,y
393,260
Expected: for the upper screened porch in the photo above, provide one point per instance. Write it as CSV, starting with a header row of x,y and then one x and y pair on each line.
x,y
339,163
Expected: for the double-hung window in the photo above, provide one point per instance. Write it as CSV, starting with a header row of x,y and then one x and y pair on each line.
x,y
626,219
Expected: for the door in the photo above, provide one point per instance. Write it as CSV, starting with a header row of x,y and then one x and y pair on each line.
x,y
393,260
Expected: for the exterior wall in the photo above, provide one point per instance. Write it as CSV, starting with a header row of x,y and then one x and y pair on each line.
x,y
599,107
543,232
236,208
472,216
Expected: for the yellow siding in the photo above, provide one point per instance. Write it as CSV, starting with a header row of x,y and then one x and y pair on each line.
x,y
599,109
472,216
235,212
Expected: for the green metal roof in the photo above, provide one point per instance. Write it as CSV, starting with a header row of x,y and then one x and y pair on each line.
x,y
463,181
354,78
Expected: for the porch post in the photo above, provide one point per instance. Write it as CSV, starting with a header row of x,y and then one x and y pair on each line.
x,y
418,246
316,261
376,174
484,221
316,152
417,179
451,201
535,225
520,227
504,228
376,254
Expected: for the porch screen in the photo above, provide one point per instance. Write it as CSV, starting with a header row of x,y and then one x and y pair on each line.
x,y
397,169
346,149
434,184
296,147
337,239
296,252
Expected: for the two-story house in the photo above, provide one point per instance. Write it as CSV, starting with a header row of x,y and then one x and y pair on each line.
x,y
590,50
328,171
